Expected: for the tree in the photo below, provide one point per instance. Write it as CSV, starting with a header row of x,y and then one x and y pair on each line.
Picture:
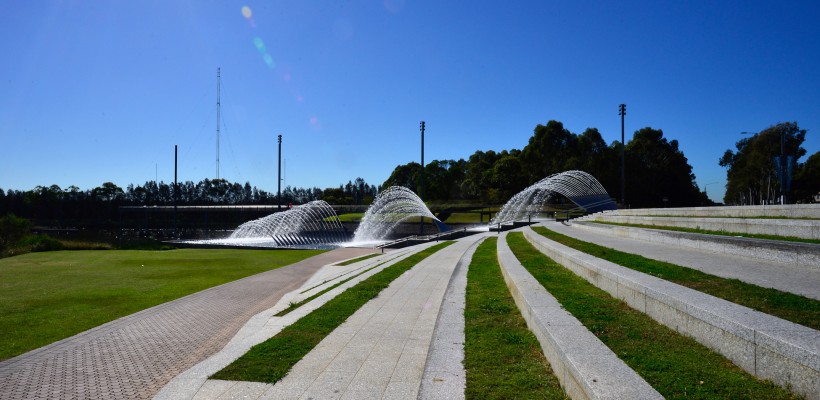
x,y
807,179
12,229
658,174
751,175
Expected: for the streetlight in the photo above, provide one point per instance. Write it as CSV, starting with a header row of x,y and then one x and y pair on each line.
x,y
622,113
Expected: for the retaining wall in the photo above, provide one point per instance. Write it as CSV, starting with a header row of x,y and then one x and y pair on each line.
x,y
801,228
788,211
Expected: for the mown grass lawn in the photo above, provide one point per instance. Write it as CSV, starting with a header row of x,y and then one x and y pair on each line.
x,y
46,297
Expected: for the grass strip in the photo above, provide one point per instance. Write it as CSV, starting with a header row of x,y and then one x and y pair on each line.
x,y
46,297
346,273
676,366
709,232
791,307
298,304
502,358
271,360
355,260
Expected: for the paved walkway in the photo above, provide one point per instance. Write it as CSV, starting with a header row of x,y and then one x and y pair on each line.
x,y
134,356
785,277
381,351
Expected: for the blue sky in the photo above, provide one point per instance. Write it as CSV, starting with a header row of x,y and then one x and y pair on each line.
x,y
96,91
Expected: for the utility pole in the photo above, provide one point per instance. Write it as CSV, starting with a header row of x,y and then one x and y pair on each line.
x,y
421,192
622,113
279,181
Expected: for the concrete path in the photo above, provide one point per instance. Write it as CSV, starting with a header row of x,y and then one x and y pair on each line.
x,y
788,278
134,356
379,352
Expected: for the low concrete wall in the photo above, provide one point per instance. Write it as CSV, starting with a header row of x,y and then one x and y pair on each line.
x,y
799,254
801,228
788,211
586,368
765,346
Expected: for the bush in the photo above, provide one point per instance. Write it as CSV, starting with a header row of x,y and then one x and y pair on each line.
x,y
12,230
41,243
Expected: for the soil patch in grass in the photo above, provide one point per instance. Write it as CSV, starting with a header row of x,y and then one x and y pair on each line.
x,y
791,307
676,366
271,360
45,297
502,358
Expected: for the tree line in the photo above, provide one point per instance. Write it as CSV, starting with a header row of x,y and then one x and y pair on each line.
x,y
657,172
102,202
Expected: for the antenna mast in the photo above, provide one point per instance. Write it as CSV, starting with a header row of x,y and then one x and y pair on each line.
x,y
218,112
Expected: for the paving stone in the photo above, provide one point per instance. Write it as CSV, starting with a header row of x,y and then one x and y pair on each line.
x,y
135,356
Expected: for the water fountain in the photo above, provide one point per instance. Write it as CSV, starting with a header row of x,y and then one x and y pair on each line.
x,y
578,186
389,209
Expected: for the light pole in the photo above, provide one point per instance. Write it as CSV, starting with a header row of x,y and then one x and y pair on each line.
x,y
622,113
421,192
279,180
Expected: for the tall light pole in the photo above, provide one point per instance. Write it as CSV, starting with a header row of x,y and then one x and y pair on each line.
x,y
622,113
421,192
279,180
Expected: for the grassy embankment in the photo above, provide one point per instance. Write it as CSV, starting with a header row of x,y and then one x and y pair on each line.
x,y
675,365
45,297
502,358
791,307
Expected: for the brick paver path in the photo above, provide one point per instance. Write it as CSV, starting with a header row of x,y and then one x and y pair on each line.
x,y
135,356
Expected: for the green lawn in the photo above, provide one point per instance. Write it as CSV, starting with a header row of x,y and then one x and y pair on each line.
x,y
502,358
45,297
675,365
791,307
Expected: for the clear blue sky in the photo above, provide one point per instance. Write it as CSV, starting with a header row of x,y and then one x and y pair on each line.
x,y
96,91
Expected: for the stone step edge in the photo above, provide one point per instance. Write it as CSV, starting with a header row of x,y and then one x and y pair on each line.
x,y
806,229
768,347
586,368
793,253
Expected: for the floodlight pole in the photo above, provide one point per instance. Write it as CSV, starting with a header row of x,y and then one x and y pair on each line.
x,y
279,180
176,192
622,113
421,192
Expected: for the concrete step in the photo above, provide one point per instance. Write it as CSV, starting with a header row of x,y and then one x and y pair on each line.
x,y
800,228
768,347
586,368
792,253
787,211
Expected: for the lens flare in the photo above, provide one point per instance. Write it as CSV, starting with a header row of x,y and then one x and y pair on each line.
x,y
259,44
246,12
269,60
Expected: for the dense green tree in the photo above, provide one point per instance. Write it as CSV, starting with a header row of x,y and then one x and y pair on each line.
x,y
751,176
550,150
12,229
806,182
658,174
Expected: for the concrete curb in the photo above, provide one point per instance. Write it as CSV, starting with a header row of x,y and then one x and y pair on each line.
x,y
801,228
265,325
586,368
765,346
798,254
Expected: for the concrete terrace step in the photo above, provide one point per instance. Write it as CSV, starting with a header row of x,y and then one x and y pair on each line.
x,y
765,346
586,368
793,253
787,211
801,228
